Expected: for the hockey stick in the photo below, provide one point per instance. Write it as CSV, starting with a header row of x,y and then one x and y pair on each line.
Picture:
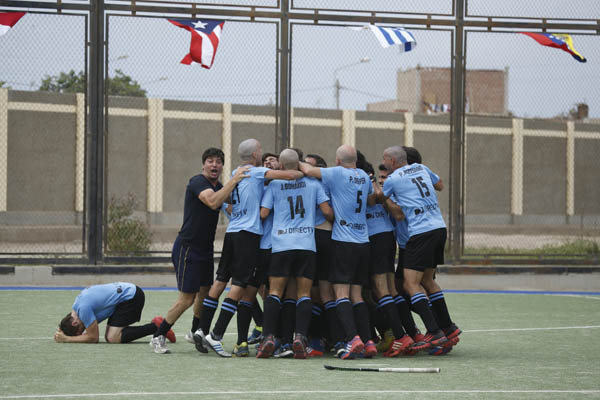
x,y
406,370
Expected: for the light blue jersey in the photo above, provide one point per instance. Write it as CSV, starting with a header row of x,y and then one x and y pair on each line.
x,y
245,199
349,188
265,240
293,204
412,186
378,220
400,229
98,302
320,218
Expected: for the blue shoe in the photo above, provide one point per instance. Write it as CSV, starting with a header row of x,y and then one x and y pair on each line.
x,y
338,348
284,351
346,352
256,336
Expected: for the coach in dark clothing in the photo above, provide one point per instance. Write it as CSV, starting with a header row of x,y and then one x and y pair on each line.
x,y
192,253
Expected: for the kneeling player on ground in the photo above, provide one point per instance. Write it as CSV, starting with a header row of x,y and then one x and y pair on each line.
x,y
120,302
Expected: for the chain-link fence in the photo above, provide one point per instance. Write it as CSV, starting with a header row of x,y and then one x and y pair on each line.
x,y
529,142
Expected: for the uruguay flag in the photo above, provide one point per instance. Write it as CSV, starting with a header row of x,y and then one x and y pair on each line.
x,y
556,40
394,36
8,20
205,39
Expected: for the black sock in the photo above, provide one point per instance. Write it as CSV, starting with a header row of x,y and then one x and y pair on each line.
x,y
387,306
130,333
314,328
244,316
271,315
343,308
361,317
228,308
288,320
438,303
421,305
209,307
257,314
406,317
303,314
195,323
379,319
335,330
162,329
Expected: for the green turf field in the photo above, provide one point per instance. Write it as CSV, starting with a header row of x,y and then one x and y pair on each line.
x,y
514,346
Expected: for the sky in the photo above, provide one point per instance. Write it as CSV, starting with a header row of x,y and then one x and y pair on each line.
x,y
542,82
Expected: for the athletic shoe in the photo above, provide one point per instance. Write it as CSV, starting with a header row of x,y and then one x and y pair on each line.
x,y
399,346
440,350
418,336
159,345
299,346
310,352
189,337
431,340
240,350
284,351
267,347
452,331
356,345
315,348
256,336
338,348
346,352
386,341
170,334
215,344
370,349
200,341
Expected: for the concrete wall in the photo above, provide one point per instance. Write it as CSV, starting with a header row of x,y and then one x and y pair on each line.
x,y
516,170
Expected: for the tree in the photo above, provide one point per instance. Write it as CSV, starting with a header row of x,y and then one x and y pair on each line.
x,y
72,82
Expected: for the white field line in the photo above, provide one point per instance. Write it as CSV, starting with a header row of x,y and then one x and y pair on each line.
x,y
294,392
466,331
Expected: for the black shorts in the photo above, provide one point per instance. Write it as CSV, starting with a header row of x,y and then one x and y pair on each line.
x,y
400,266
238,258
193,269
259,276
383,253
425,250
324,253
293,263
129,311
351,263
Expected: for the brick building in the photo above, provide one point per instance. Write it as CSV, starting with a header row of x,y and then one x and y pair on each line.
x,y
428,91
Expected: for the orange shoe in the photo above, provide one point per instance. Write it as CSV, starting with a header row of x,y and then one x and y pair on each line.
x,y
399,346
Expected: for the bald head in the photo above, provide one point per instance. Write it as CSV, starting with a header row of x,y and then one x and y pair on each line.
x,y
288,159
346,155
247,150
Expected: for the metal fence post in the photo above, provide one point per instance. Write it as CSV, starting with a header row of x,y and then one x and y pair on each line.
x,y
283,136
96,149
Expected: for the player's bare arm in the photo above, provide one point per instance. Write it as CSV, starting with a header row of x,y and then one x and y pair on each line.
x,y
439,185
264,212
327,211
393,209
90,335
309,170
214,199
287,174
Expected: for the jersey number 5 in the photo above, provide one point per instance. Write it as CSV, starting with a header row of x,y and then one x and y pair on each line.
x,y
299,209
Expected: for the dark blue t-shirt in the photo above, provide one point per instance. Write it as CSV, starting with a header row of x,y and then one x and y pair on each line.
x,y
199,220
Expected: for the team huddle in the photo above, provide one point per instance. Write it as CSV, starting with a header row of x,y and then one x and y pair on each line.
x,y
319,244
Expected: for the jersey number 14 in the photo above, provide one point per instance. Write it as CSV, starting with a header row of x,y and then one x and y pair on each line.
x,y
298,209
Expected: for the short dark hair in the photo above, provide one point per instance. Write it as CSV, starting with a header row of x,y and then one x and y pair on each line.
x,y
382,167
265,155
412,155
300,153
213,152
367,167
320,160
66,325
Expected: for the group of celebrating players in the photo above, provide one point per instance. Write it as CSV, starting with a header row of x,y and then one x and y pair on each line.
x,y
319,244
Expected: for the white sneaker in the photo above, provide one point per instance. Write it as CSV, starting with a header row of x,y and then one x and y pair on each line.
x,y
216,345
158,345
199,340
189,337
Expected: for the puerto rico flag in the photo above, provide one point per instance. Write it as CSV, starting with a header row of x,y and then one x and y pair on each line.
x,y
205,39
556,40
8,20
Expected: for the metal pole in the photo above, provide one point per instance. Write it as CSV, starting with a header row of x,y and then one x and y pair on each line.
x,y
283,134
337,94
457,137
95,167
